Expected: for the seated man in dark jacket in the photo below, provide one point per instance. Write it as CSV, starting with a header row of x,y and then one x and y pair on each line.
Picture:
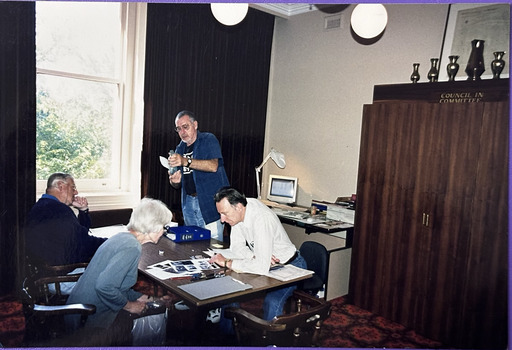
x,y
53,233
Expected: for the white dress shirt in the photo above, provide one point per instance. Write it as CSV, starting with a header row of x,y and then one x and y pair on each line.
x,y
259,236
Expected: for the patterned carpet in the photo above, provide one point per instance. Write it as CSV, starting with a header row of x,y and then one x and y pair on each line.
x,y
352,327
12,322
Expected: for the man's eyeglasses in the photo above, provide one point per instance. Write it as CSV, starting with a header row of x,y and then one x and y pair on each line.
x,y
73,187
183,127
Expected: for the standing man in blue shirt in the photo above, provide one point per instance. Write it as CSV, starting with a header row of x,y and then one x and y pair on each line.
x,y
201,174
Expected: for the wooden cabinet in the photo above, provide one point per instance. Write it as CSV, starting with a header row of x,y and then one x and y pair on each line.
x,y
431,237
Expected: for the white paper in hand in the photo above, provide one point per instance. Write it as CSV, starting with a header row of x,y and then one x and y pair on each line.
x,y
164,162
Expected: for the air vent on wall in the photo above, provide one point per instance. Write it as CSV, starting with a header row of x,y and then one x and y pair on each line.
x,y
332,22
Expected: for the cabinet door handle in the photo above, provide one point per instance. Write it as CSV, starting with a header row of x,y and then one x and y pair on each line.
x,y
425,219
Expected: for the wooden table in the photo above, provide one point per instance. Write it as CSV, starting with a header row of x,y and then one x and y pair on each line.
x,y
184,250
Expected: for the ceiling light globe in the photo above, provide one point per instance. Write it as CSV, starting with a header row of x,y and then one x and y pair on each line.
x,y
369,20
229,14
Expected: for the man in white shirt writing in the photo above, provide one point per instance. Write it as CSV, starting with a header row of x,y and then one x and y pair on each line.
x,y
258,237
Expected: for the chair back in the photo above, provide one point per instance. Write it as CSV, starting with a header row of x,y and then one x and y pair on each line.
x,y
317,259
300,327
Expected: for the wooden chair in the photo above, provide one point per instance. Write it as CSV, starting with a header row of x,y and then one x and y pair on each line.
x,y
300,327
44,310
47,275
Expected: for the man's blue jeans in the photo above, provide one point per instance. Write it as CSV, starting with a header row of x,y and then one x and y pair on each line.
x,y
274,301
193,217
192,213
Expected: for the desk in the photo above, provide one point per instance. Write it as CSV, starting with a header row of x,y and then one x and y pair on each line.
x,y
181,251
329,227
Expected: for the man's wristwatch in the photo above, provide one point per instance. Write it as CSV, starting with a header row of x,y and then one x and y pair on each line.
x,y
189,161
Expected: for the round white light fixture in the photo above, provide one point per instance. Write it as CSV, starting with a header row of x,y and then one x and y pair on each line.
x,y
369,20
229,13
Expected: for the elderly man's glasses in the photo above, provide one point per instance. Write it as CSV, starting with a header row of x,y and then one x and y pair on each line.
x,y
183,127
73,187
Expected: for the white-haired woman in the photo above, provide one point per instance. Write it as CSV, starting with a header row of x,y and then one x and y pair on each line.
x,y
108,280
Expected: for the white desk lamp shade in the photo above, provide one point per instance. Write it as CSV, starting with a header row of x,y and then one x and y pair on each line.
x,y
277,157
229,14
369,20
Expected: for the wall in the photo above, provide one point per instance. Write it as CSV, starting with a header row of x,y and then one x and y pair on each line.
x,y
17,136
320,81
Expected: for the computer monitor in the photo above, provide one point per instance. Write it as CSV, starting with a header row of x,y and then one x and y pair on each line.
x,y
282,189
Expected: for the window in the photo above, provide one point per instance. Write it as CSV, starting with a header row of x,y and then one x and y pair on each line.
x,y
90,65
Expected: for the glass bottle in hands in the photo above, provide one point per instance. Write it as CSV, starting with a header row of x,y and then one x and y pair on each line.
x,y
172,169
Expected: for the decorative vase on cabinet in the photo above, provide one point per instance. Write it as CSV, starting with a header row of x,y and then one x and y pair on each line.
x,y
433,73
497,64
452,68
475,67
415,76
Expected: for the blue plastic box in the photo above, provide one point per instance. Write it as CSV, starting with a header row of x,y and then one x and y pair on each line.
x,y
187,233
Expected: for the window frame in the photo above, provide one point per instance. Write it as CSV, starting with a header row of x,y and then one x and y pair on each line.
x,y
131,94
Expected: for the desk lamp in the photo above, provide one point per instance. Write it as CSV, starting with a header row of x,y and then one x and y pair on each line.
x,y
277,157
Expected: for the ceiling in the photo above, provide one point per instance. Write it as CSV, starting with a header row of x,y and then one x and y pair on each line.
x,y
287,10
283,10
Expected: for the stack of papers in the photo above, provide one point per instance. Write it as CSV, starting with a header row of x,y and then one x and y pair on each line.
x,y
289,272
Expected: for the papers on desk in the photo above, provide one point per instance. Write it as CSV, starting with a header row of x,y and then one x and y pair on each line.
x,y
335,225
179,268
313,220
300,216
214,287
289,272
161,274
108,231
292,214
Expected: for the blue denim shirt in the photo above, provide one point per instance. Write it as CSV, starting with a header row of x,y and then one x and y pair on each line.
x,y
206,146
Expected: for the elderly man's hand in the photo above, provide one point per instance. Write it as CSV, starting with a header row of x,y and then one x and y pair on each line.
x,y
80,203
